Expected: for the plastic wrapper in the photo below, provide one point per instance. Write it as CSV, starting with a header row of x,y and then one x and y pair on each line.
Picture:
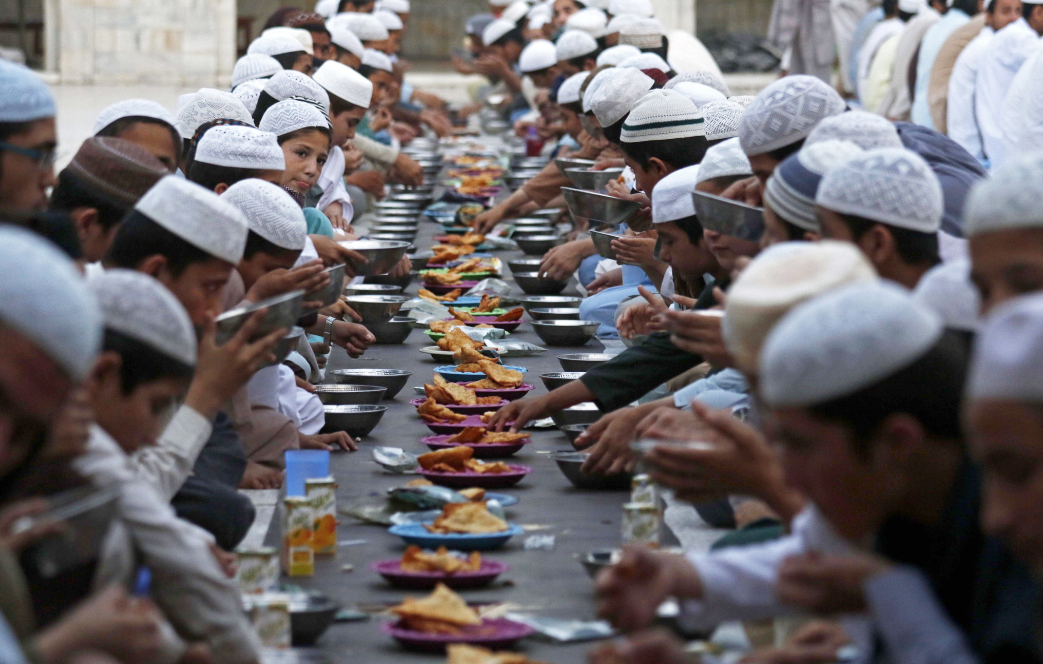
x,y
426,497
484,333
493,287
515,348
424,311
395,459
565,631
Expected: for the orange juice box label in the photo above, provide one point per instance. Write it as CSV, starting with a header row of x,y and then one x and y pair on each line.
x,y
323,496
298,557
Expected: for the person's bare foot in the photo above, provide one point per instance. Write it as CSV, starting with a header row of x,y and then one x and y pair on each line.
x,y
260,477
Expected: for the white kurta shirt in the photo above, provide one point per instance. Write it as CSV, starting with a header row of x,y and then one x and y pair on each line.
x,y
883,31
331,180
961,116
1022,122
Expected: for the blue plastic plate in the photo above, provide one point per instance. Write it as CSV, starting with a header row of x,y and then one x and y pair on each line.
x,y
460,376
414,533
464,301
502,498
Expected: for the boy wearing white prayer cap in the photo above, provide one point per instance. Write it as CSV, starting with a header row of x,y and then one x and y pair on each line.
x,y
288,50
348,48
868,131
230,153
613,55
287,84
249,93
28,138
648,34
539,61
889,203
721,121
947,289
707,78
254,66
723,166
145,123
615,25
614,99
663,133
699,93
590,20
1004,226
576,51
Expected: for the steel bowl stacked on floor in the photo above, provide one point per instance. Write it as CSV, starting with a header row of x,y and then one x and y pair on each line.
x,y
533,284
349,395
357,420
524,265
570,464
582,361
555,379
539,301
554,313
565,332
376,308
537,245
393,331
391,379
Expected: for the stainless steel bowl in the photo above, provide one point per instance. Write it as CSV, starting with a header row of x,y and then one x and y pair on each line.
x,y
393,331
601,208
537,245
531,231
572,432
556,379
729,217
519,161
533,284
420,260
376,308
287,344
524,264
565,332
309,621
330,293
350,395
357,420
397,229
371,289
570,463
590,180
387,280
550,214
421,199
603,243
542,301
554,313
600,559
582,361
564,163
393,379
518,179
381,254
529,222
393,237
283,311
393,204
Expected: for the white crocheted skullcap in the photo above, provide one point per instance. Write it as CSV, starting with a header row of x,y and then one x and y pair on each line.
x,y
672,196
792,188
893,186
365,26
44,298
600,78
742,100
948,290
137,306
274,45
133,108
642,8
725,159
326,8
235,146
778,279
844,341
288,83
537,21
540,54
1009,200
699,93
397,6
342,36
705,77
590,20
302,36
618,95
208,105
619,22
254,66
911,6
785,112
343,81
646,61
249,92
270,212
868,131
291,115
25,96
499,3
575,44
568,91
642,33
515,12
616,54
495,30
662,115
388,19
198,216
721,119
377,60
1007,352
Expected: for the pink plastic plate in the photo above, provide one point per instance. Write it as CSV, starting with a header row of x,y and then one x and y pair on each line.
x,y
497,634
467,410
392,571
481,450
480,480
449,428
510,394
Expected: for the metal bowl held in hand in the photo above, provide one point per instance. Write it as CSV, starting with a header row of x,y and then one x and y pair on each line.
x,y
582,361
371,289
532,231
524,264
387,280
730,218
376,308
601,208
393,331
283,311
570,463
349,395
589,180
556,379
533,284
536,301
329,293
565,332
554,313
358,420
393,379
537,245
603,243
381,254
564,163
287,344
573,431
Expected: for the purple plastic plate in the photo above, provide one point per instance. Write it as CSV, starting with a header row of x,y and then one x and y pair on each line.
x,y
444,289
510,326
392,571
449,428
480,480
497,634
481,450
467,410
510,394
